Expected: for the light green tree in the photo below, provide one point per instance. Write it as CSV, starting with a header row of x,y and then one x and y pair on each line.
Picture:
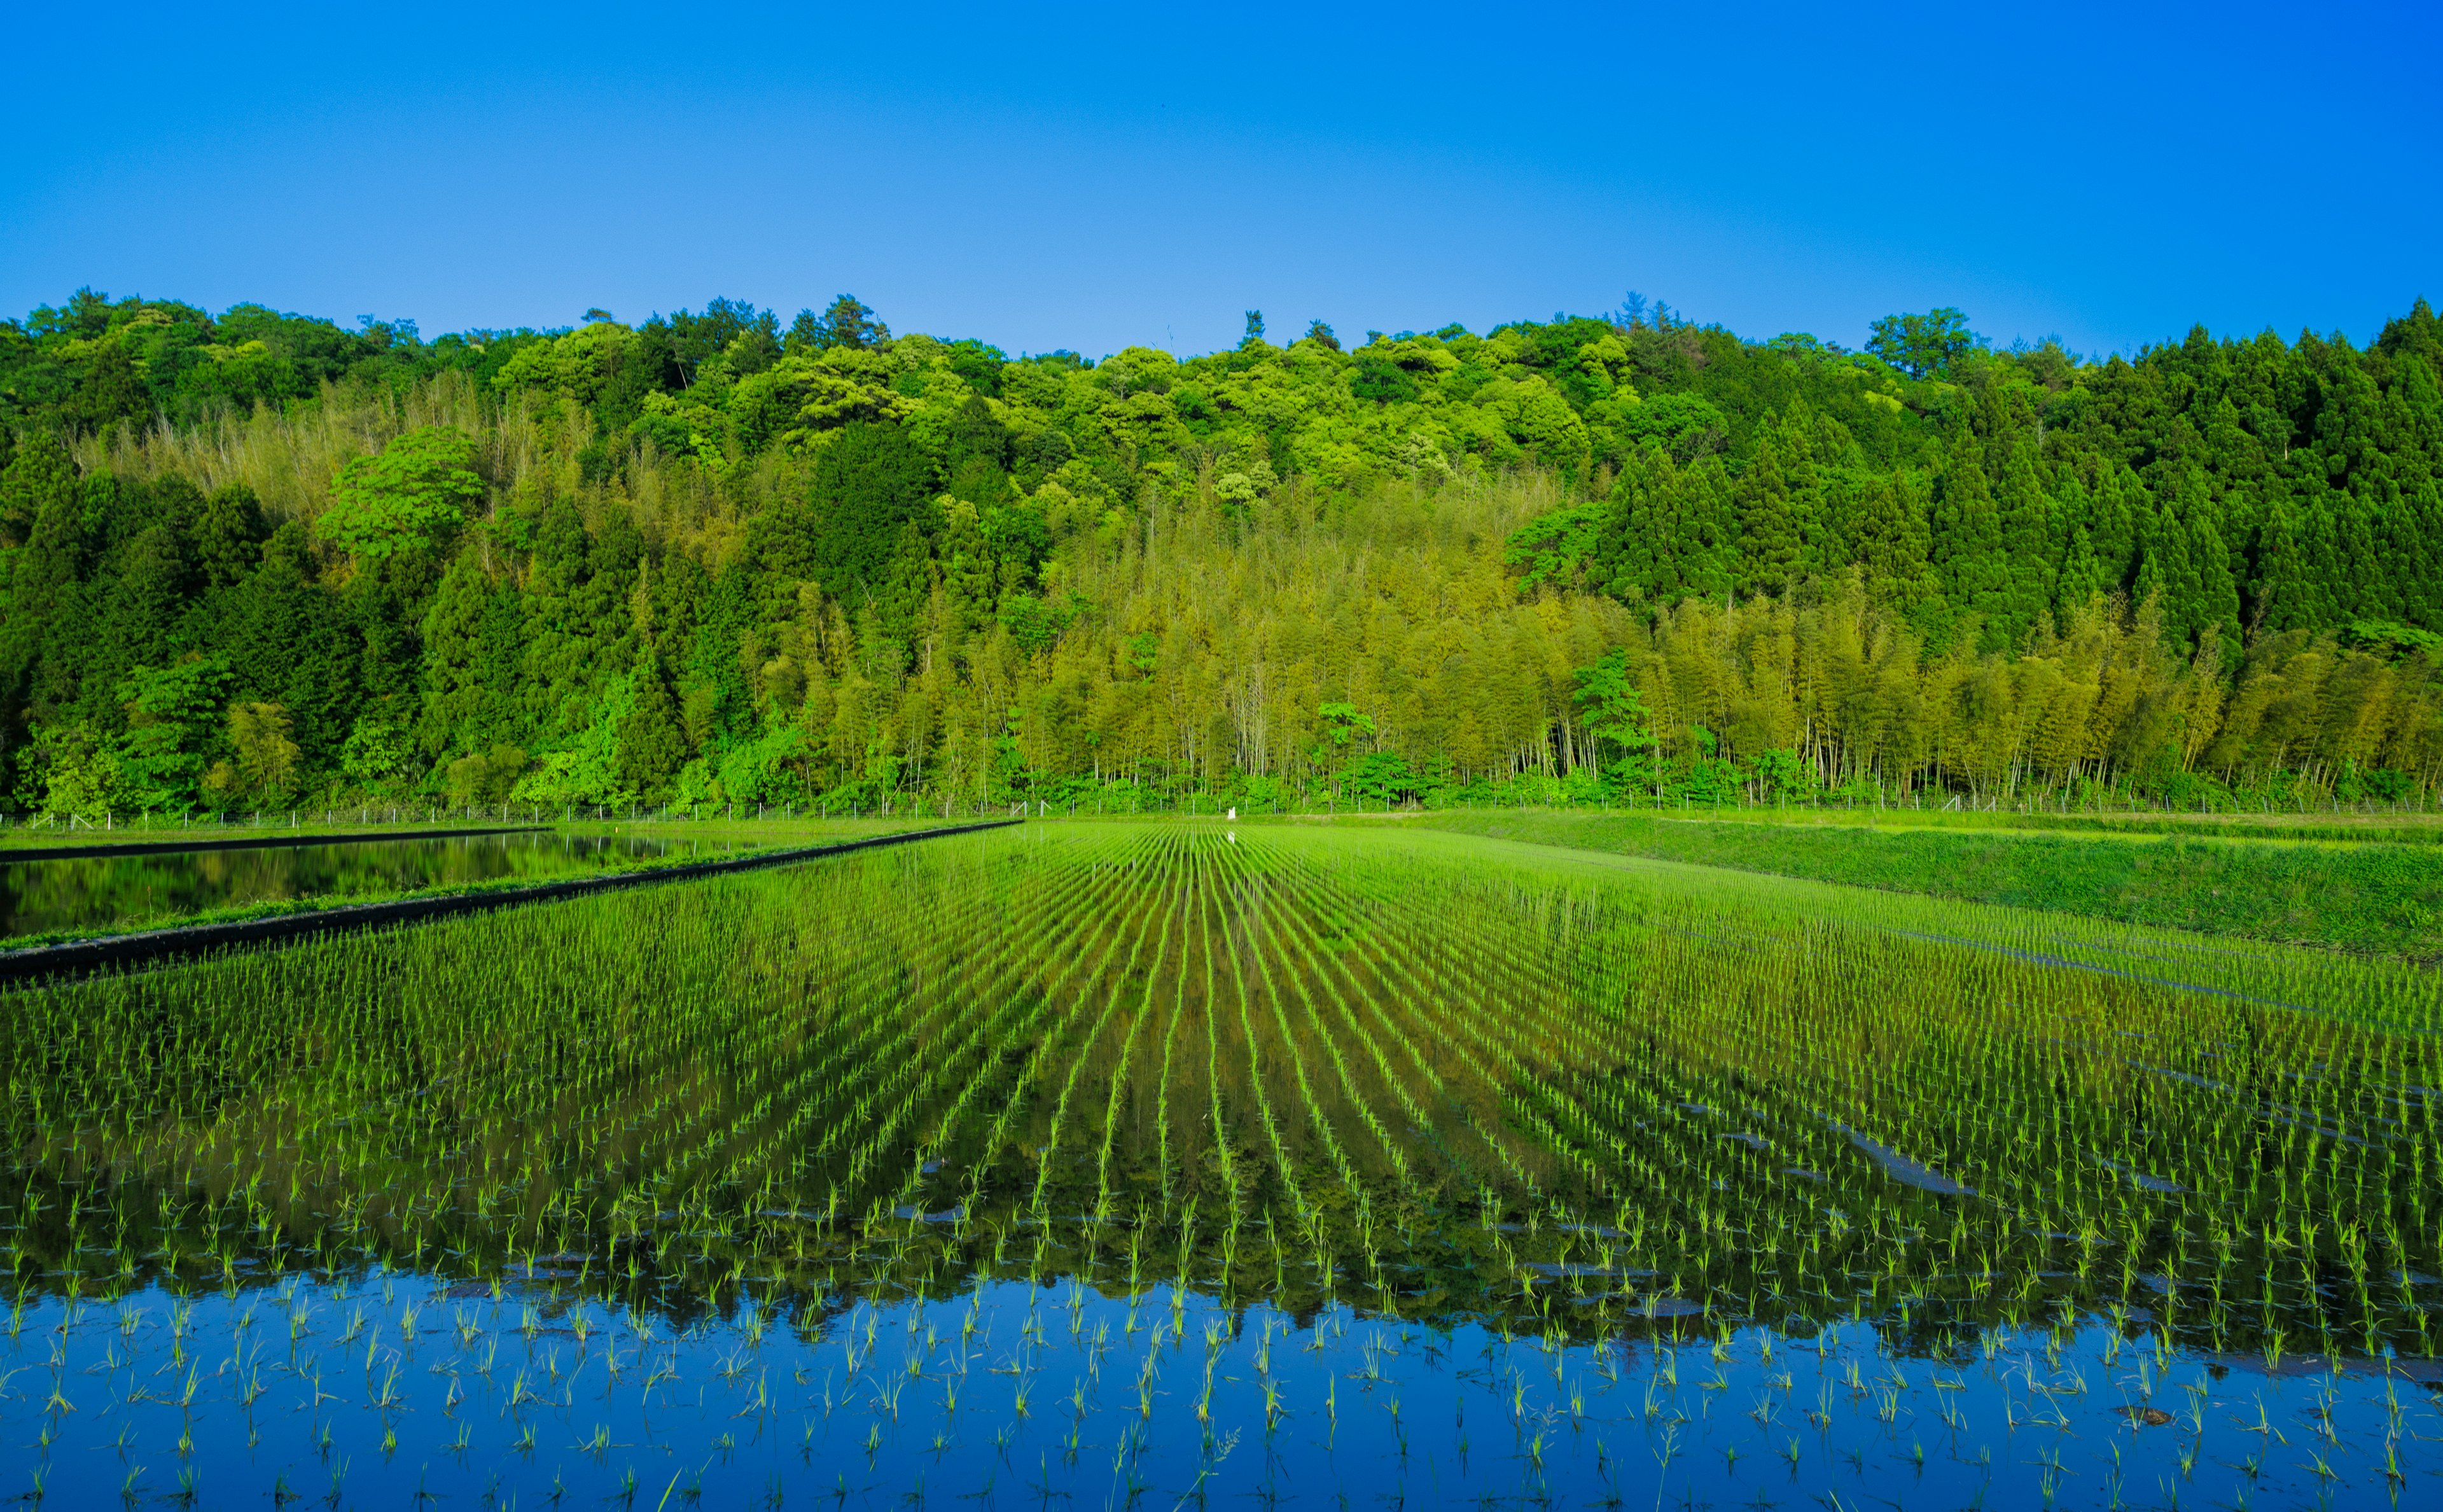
x,y
264,760
1611,710
414,492
170,718
82,776
1342,725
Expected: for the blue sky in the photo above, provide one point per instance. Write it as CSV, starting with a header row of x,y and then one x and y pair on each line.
x,y
1091,177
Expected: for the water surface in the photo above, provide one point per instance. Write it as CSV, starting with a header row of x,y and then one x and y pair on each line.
x,y
1120,1167
123,891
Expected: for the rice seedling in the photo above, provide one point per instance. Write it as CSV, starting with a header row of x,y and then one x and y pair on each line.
x,y
1292,1114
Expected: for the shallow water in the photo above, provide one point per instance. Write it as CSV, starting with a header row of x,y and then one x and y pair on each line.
x,y
1141,1167
104,892
376,1386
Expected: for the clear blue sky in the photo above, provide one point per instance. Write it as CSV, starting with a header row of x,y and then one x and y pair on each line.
x,y
1092,178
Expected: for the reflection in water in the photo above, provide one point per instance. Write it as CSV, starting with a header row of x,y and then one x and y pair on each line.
x,y
104,892
1145,1164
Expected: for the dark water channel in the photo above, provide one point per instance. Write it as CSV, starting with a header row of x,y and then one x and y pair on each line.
x,y
123,891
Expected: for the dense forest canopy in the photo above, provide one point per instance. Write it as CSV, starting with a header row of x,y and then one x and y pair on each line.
x,y
256,559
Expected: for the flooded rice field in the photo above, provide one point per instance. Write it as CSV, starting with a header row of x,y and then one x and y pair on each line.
x,y
1148,1166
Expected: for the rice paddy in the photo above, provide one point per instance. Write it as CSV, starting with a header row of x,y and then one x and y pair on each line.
x,y
1146,1165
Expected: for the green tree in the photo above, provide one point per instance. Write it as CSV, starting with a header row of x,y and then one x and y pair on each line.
x,y
471,644
1968,541
42,477
1343,727
869,484
263,763
652,740
78,774
412,494
848,322
1924,346
484,777
1777,504
377,751
1614,712
144,602
170,714
228,533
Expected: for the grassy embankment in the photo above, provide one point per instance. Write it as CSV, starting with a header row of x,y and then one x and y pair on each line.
x,y
2374,889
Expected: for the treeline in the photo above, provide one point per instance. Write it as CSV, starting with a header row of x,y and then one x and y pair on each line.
x,y
259,559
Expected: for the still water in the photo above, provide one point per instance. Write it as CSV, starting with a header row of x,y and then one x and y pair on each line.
x,y
123,891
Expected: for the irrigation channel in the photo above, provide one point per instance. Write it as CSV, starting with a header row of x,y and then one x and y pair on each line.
x,y
60,892
1122,1165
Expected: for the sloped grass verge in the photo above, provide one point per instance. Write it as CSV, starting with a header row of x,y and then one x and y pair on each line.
x,y
2375,899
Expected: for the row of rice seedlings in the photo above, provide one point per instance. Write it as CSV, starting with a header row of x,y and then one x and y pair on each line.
x,y
1151,899
1169,1172
1284,1170
1054,983
1366,1237
1235,1186
1972,1098
1493,1045
1533,1000
1171,905
1509,1023
484,1124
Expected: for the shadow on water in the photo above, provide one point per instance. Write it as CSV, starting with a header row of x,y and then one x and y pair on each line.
x,y
1143,1168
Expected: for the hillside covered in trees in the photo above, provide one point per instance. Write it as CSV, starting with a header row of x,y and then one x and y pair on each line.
x,y
257,559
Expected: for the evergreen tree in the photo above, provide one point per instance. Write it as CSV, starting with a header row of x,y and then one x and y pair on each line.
x,y
40,477
228,533
287,640
143,606
2028,571
1967,543
652,741
870,481
1893,541
466,641
1774,513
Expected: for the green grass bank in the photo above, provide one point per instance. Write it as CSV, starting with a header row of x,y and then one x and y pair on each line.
x,y
2380,898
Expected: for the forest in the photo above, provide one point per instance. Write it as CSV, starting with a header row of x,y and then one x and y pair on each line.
x,y
258,560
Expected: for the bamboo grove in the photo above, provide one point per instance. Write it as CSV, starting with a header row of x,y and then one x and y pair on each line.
x,y
256,559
